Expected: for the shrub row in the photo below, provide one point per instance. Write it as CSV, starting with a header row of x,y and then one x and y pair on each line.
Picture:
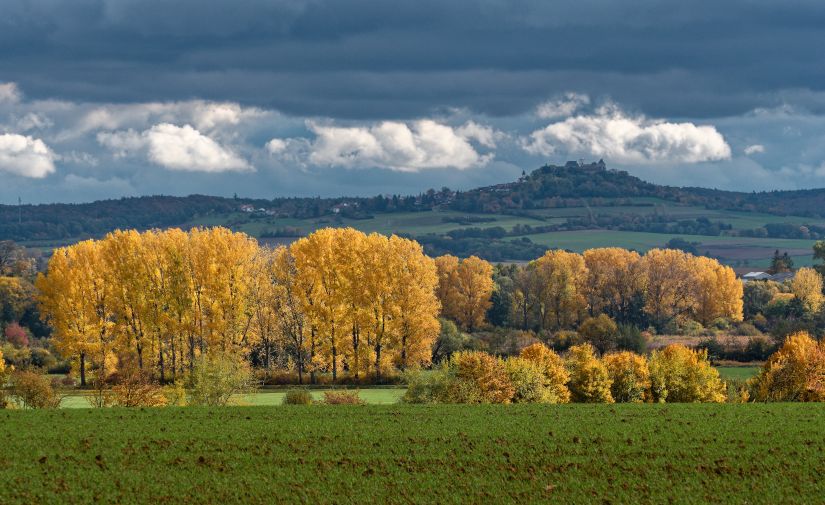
x,y
539,375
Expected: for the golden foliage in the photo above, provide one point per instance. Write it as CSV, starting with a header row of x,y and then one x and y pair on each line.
x,y
339,299
589,378
679,374
796,372
807,287
555,373
614,278
464,289
562,276
629,375
478,378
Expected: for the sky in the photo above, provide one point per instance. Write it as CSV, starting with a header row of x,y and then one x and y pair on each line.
x,y
267,98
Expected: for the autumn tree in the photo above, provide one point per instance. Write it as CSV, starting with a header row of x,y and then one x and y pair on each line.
x,y
615,282
589,378
553,369
464,289
670,282
807,288
717,291
629,376
415,279
600,331
526,293
796,372
562,276
680,374
76,297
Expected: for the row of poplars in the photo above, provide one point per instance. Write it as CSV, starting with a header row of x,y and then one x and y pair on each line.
x,y
675,373
338,299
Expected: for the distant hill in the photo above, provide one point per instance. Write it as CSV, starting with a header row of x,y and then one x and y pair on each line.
x,y
553,186
572,206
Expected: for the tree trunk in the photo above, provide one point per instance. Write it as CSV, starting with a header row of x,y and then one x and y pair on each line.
x,y
312,355
160,363
334,356
82,369
377,361
355,343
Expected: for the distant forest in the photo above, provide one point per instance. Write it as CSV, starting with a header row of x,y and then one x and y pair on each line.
x,y
570,185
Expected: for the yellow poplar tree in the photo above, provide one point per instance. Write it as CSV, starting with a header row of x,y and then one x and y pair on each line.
x,y
614,281
415,282
75,297
807,287
670,281
563,276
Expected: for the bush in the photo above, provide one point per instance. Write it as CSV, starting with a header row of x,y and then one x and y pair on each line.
x,y
554,371
679,374
758,349
629,375
427,387
16,335
217,377
601,332
796,372
589,380
527,379
342,397
713,348
630,338
32,390
563,340
297,397
42,358
175,394
744,329
17,357
738,391
135,389
477,377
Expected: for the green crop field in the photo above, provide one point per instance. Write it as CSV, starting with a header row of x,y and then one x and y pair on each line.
x,y
373,396
698,453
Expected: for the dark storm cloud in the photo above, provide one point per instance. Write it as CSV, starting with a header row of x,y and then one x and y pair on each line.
x,y
374,59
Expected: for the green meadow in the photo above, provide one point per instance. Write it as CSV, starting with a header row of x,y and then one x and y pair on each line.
x,y
674,453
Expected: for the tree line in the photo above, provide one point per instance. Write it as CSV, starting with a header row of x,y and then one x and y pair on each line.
x,y
561,289
338,300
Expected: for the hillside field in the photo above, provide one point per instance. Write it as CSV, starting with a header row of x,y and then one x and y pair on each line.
x,y
753,252
697,453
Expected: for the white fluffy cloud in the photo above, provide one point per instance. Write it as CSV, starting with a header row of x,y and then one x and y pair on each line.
x,y
205,116
403,147
754,149
175,148
9,93
562,107
25,156
617,137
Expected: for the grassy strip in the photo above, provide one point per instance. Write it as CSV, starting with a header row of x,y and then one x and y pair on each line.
x,y
752,453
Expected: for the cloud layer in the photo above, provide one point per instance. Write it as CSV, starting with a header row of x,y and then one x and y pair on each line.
x,y
75,151
613,135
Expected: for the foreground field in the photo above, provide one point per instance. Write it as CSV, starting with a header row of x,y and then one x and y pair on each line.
x,y
751,453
